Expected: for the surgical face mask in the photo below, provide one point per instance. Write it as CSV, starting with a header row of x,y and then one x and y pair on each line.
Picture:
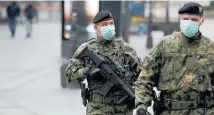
x,y
108,32
189,28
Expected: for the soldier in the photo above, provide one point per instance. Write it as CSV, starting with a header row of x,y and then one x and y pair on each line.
x,y
115,48
181,67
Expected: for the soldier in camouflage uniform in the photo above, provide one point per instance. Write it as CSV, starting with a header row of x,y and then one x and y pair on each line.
x,y
181,67
108,45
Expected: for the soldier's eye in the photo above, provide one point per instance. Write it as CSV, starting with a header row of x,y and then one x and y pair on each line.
x,y
105,24
195,20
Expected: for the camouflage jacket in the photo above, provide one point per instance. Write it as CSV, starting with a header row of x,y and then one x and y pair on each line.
x,y
116,49
180,68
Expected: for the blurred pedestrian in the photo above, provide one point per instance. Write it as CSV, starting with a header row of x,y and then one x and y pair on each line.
x,y
13,11
29,13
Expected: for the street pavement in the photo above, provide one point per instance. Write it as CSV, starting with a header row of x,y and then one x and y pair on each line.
x,y
29,74
30,71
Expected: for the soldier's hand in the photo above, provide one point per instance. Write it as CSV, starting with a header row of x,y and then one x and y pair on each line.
x,y
142,112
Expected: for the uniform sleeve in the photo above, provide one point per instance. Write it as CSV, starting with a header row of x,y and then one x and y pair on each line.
x,y
132,59
76,68
148,78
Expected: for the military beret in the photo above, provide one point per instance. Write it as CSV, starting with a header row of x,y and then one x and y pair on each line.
x,y
102,15
191,8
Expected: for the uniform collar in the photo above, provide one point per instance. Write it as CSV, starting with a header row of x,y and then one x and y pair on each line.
x,y
104,41
193,40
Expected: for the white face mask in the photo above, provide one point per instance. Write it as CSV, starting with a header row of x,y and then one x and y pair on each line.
x,y
108,32
189,28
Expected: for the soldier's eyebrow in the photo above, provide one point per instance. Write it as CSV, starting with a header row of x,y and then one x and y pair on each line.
x,y
194,19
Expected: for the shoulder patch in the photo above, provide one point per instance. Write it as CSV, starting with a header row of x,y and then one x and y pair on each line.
x,y
91,40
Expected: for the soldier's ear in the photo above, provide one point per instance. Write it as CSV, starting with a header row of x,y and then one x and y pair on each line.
x,y
95,27
202,21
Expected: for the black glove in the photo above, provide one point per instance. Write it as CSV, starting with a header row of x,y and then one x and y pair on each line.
x,y
142,112
94,73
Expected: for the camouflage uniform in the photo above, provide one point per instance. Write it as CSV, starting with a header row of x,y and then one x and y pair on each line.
x,y
182,70
116,49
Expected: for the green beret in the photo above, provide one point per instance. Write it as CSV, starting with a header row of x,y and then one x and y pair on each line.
x,y
102,15
191,8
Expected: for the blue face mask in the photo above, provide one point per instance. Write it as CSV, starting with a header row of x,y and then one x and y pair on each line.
x,y
108,32
189,28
